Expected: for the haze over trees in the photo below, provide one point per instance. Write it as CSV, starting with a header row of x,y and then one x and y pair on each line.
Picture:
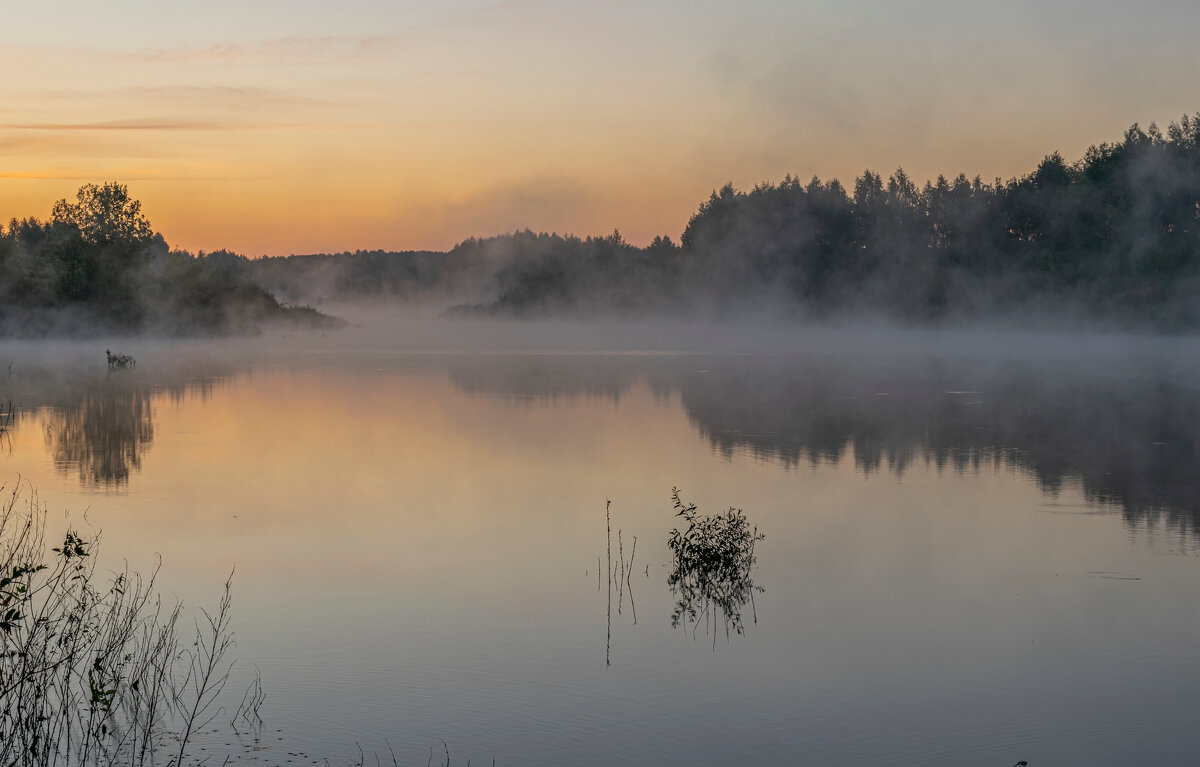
x,y
1114,237
1110,240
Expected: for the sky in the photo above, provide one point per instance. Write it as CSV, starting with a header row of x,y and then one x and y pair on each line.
x,y
271,127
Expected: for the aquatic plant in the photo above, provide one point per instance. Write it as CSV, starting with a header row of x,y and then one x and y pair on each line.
x,y
92,669
619,576
713,565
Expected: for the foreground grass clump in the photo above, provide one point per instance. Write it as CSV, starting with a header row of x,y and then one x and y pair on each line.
x,y
92,669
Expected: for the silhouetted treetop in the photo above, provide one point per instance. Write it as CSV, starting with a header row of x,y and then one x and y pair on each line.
x,y
104,215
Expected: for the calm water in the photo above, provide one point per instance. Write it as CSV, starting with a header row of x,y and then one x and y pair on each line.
x,y
977,549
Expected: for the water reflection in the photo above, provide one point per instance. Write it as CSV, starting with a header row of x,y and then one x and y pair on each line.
x,y
1131,441
1128,433
712,569
103,436
98,423
906,596
533,378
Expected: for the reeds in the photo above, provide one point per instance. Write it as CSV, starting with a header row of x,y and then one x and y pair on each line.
x,y
92,670
8,416
248,711
619,575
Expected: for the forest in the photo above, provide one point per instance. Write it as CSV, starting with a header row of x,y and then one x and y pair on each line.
x,y
1108,241
1111,240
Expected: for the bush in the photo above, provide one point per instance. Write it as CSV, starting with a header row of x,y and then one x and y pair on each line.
x,y
92,671
714,560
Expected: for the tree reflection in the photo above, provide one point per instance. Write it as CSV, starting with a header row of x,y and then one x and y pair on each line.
x,y
103,436
1124,429
713,565
530,379
98,422
1127,437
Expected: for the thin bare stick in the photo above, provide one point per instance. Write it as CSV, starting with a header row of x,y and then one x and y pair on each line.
x,y
621,580
608,640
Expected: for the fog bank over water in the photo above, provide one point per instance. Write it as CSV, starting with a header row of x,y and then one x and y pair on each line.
x,y
1116,414
389,328
944,513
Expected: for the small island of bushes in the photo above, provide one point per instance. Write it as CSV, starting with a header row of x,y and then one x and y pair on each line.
x,y
97,267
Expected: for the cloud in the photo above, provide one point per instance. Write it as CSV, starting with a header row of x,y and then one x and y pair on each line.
x,y
143,124
173,171
44,176
82,178
283,50
297,50
230,96
222,95
35,141
541,204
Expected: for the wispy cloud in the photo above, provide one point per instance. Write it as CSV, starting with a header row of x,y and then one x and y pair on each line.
x,y
76,176
223,95
176,109
280,51
146,124
43,176
185,171
535,203
283,50
38,141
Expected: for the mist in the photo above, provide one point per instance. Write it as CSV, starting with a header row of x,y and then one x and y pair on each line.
x,y
920,457
1115,414
884,468
1108,242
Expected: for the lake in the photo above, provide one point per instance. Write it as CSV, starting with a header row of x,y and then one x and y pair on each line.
x,y
976,548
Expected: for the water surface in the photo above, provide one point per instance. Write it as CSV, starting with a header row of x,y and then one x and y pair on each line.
x,y
976,550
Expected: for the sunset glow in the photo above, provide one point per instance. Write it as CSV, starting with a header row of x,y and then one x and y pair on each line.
x,y
273,128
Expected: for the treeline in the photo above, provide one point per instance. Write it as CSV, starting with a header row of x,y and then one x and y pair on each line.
x,y
96,266
356,276
1111,239
521,273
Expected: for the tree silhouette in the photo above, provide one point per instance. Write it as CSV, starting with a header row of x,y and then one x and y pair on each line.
x,y
105,215
97,265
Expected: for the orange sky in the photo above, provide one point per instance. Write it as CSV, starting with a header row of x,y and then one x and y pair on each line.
x,y
272,128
